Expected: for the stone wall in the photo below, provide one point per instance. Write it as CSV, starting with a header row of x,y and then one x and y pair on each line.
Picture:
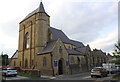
x,y
44,65
37,28
60,53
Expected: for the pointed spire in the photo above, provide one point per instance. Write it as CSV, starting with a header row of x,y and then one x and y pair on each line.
x,y
41,7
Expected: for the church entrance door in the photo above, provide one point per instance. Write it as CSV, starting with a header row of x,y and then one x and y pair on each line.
x,y
60,67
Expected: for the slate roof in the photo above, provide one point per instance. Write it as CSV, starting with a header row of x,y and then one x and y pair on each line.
x,y
59,34
103,55
40,9
106,56
74,52
82,50
76,43
48,48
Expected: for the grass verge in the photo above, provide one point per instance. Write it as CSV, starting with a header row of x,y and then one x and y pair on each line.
x,y
117,77
27,75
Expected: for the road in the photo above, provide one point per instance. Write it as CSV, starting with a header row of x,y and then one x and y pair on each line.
x,y
81,76
25,78
15,78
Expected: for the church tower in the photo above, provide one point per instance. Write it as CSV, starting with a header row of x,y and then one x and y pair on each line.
x,y
42,25
33,36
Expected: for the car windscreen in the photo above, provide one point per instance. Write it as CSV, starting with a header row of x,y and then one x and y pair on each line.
x,y
4,69
96,69
11,69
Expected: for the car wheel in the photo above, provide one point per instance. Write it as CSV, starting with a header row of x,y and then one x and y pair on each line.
x,y
106,75
92,76
5,74
15,75
101,76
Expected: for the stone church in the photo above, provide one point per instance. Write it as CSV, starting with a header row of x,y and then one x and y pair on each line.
x,y
48,49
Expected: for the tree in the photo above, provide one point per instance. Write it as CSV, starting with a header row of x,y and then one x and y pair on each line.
x,y
4,58
117,53
117,49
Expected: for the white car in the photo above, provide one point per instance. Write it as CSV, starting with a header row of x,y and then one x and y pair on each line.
x,y
98,71
9,71
110,67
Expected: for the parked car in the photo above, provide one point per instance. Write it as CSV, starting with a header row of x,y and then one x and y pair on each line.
x,y
118,68
110,67
98,71
9,71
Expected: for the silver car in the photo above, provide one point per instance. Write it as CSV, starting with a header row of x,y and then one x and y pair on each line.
x,y
98,71
9,71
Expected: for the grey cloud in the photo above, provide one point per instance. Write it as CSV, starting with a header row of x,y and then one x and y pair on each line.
x,y
9,51
84,25
109,48
10,28
79,21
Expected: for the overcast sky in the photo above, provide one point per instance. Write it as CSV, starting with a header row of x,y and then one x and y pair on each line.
x,y
93,22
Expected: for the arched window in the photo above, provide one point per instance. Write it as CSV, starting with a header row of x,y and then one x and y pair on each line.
x,y
27,40
44,61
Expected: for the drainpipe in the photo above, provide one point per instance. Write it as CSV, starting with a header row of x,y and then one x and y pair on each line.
x,y
52,63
